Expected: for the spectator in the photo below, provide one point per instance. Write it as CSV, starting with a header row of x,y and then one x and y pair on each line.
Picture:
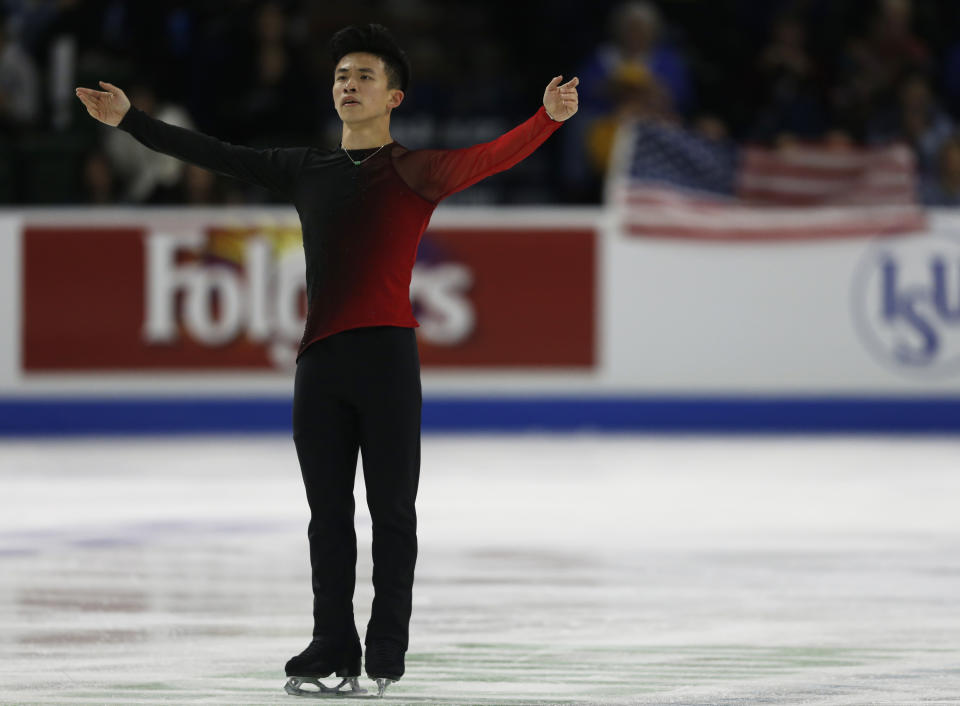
x,y
918,120
99,185
31,20
636,96
874,65
892,45
787,83
943,188
274,108
637,41
19,85
201,187
147,176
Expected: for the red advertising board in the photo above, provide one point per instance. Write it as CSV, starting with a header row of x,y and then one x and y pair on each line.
x,y
102,298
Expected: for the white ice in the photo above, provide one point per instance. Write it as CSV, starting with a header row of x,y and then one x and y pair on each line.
x,y
553,569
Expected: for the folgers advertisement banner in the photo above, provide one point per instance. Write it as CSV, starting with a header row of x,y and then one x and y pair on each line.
x,y
100,298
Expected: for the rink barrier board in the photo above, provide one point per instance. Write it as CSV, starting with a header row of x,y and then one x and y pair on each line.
x,y
68,417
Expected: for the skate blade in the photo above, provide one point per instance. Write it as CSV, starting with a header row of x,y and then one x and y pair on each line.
x,y
382,685
353,690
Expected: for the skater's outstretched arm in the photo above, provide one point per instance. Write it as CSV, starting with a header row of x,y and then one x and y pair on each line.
x,y
436,174
275,169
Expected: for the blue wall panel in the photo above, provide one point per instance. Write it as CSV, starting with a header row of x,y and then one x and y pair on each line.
x,y
662,414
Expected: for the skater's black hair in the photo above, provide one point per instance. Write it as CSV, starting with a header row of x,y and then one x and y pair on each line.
x,y
373,39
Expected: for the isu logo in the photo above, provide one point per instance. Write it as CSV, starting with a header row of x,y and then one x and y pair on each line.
x,y
906,303
219,287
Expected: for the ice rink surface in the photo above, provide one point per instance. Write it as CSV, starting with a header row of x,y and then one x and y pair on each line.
x,y
553,570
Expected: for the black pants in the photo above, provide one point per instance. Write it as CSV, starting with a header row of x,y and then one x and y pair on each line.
x,y
360,390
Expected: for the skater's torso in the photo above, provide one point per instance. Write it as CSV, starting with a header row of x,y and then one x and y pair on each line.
x,y
361,227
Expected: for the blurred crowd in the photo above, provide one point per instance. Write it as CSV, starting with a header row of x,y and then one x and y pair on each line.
x,y
256,72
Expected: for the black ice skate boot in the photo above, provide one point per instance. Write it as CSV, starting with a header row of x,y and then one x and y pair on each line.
x,y
384,663
319,660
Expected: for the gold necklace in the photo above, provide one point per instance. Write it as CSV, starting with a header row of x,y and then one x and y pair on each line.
x,y
365,158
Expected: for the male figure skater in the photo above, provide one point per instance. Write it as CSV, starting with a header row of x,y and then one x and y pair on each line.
x,y
363,208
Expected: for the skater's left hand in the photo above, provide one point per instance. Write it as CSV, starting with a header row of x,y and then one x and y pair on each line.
x,y
561,102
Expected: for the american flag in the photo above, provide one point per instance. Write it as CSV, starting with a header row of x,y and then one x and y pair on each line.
x,y
666,181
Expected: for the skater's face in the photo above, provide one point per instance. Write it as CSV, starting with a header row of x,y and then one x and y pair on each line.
x,y
360,89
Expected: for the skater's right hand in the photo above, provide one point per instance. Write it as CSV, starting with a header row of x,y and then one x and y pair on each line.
x,y
108,106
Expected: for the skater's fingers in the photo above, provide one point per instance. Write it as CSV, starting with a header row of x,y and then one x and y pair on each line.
x,y
96,97
110,87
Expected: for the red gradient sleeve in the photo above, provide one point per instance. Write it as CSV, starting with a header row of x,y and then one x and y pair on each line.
x,y
436,174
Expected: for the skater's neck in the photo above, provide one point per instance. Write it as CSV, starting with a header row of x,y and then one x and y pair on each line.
x,y
365,134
